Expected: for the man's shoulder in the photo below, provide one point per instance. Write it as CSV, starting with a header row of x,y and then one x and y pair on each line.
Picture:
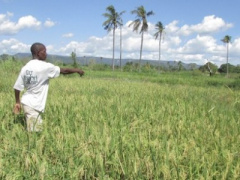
x,y
40,63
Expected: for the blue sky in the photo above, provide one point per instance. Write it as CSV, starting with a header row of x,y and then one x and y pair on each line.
x,y
193,29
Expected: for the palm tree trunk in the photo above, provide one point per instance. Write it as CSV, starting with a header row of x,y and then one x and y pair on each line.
x,y
113,49
227,59
141,52
121,48
159,58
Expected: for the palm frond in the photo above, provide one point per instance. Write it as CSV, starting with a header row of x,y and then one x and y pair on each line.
x,y
150,13
141,15
226,39
156,35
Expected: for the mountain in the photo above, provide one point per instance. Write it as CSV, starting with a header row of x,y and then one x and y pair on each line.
x,y
85,60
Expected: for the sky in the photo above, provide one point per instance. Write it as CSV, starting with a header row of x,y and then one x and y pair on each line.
x,y
193,29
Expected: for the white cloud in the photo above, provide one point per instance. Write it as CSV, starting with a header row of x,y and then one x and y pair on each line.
x,y
172,27
235,47
49,23
12,46
28,22
8,27
200,44
209,24
68,35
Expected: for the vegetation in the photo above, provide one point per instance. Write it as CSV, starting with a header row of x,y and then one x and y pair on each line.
x,y
231,68
141,20
125,125
159,27
113,21
210,68
227,40
177,124
74,58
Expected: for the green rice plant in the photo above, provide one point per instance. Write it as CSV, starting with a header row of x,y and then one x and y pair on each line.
x,y
117,125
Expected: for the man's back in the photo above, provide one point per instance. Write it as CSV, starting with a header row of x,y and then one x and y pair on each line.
x,y
34,77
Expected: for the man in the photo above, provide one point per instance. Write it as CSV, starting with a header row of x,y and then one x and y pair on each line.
x,y
34,77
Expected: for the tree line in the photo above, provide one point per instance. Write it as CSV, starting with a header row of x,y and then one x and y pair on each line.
x,y
114,20
93,64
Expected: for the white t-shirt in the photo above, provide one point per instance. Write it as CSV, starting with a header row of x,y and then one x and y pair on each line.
x,y
34,77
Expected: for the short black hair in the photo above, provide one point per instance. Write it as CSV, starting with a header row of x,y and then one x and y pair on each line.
x,y
36,47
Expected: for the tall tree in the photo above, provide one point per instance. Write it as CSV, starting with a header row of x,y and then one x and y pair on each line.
x,y
227,40
141,20
159,27
74,58
113,21
121,44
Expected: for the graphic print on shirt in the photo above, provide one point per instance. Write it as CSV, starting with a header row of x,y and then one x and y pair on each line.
x,y
29,78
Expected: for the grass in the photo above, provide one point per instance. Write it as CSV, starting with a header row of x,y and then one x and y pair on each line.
x,y
119,125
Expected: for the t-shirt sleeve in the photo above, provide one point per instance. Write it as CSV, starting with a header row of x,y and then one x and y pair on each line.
x,y
54,71
19,84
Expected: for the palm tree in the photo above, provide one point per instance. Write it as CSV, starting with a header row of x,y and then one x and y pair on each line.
x,y
121,24
227,40
121,45
113,21
141,20
159,27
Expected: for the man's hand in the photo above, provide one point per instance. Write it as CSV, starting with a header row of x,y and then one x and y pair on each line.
x,y
81,72
17,108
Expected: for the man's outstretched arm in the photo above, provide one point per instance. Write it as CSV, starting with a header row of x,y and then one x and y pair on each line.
x,y
71,71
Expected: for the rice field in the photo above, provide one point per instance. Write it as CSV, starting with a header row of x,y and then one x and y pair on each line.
x,y
124,126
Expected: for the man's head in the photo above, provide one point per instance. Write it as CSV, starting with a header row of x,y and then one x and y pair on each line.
x,y
39,51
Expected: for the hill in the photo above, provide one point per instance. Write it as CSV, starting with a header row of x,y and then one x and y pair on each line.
x,y
85,60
